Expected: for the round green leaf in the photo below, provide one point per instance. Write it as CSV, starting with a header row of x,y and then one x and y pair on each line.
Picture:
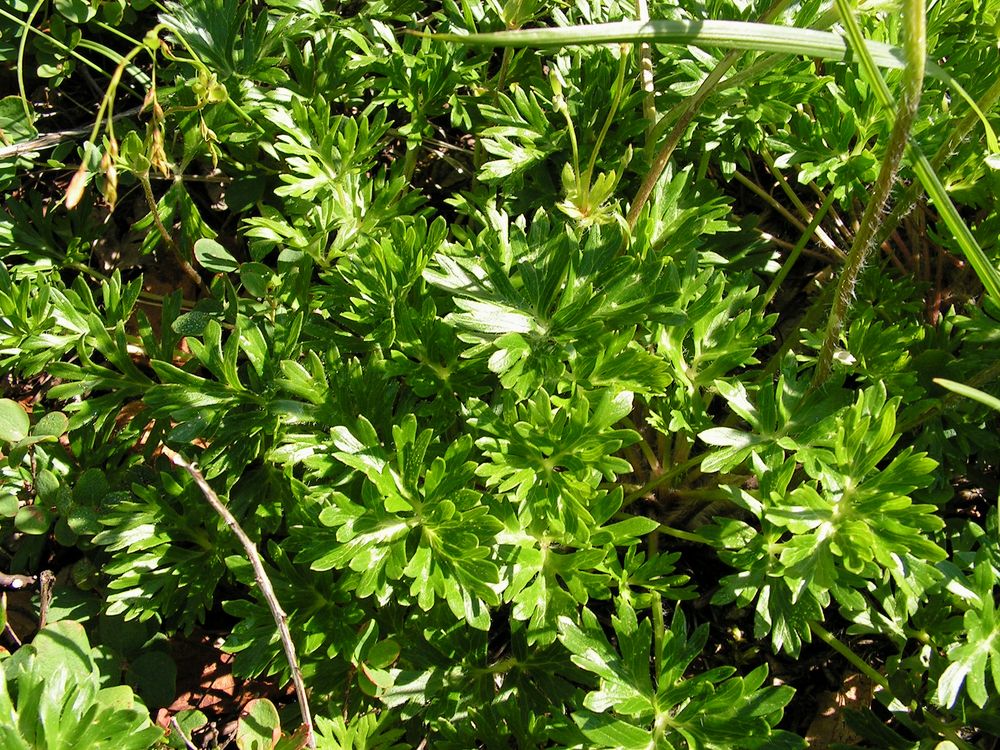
x,y
14,423
154,676
90,488
46,486
383,653
53,424
83,521
77,11
31,519
63,534
259,727
255,278
191,324
9,505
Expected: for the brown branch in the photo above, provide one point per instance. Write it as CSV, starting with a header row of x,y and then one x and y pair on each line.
x,y
15,582
266,590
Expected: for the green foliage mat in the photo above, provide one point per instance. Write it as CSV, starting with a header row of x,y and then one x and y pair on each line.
x,y
517,366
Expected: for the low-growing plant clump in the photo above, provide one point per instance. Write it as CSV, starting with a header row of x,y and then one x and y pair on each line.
x,y
499,373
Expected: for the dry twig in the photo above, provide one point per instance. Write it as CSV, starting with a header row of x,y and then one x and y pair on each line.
x,y
266,590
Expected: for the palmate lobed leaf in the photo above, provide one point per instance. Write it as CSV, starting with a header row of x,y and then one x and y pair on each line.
x,y
975,661
713,709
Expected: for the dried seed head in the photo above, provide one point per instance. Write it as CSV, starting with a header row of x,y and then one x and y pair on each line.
x,y
74,193
110,185
157,154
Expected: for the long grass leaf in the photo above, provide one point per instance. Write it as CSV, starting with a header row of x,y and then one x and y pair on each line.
x,y
969,392
746,35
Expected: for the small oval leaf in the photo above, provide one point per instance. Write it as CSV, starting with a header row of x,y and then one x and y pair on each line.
x,y
14,423
214,257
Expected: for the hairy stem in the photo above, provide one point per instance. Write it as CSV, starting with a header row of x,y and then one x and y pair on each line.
x,y
864,239
905,204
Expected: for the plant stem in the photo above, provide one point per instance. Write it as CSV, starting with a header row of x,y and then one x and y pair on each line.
x,y
860,664
263,582
825,238
935,723
913,79
793,256
20,59
185,266
646,77
905,204
663,478
616,101
658,633
687,536
691,107
175,725
769,200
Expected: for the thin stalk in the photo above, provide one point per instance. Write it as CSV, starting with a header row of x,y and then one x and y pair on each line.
x,y
20,58
659,630
616,101
118,32
263,582
109,96
687,536
961,129
140,77
935,723
987,272
769,199
691,108
574,146
175,726
502,75
793,256
646,77
984,377
185,266
662,157
660,479
645,447
844,650
913,80
65,48
797,202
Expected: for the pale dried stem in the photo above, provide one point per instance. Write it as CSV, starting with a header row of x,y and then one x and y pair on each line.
x,y
263,582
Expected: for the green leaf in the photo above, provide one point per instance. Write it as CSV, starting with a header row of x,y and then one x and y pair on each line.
x,y
608,732
702,33
189,720
9,505
214,257
969,392
259,727
978,657
53,424
33,520
77,11
14,422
